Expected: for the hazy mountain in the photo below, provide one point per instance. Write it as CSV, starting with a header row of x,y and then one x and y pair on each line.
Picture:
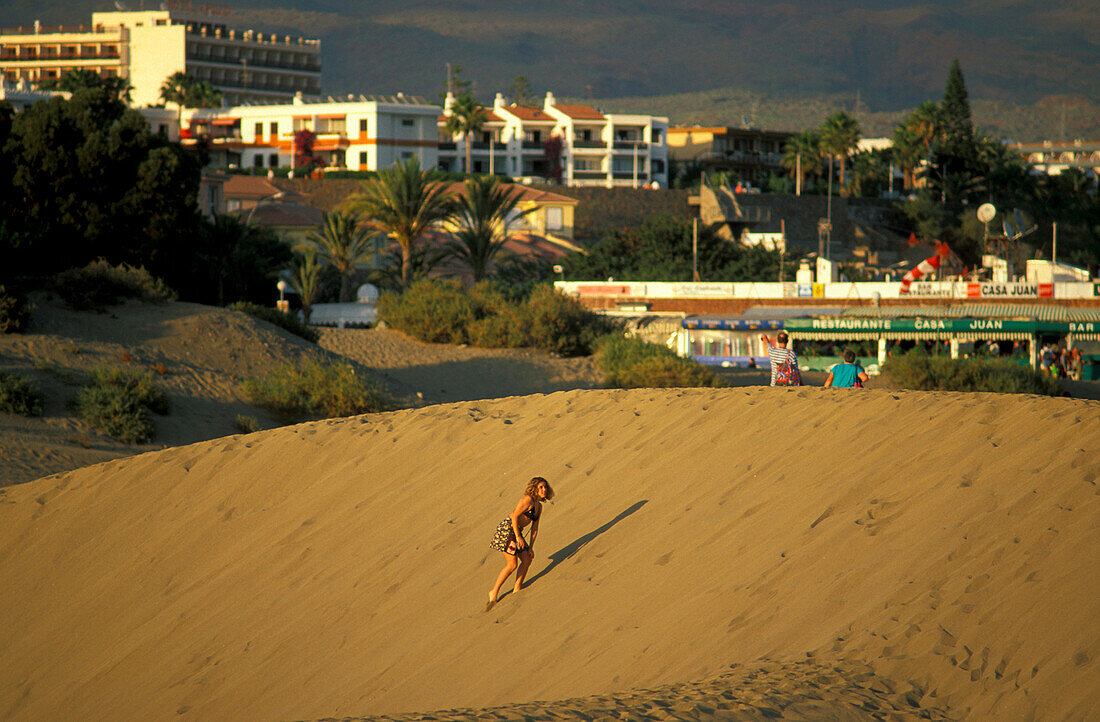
x,y
873,55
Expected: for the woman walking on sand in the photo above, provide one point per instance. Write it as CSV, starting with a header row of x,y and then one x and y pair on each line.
x,y
508,539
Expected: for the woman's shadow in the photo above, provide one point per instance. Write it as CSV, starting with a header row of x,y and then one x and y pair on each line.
x,y
572,548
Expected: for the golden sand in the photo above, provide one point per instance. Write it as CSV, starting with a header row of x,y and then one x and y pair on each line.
x,y
927,553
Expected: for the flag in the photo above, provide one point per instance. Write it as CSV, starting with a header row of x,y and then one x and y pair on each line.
x,y
925,267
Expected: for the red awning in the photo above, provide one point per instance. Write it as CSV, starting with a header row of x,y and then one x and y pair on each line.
x,y
225,121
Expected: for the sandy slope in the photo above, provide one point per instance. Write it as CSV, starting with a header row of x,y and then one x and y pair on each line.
x,y
339,568
202,353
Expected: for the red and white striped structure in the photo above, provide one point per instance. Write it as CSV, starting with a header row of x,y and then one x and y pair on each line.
x,y
924,267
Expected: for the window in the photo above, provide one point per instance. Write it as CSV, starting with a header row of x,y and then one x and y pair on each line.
x,y
273,128
162,129
258,161
407,122
406,154
273,160
554,220
364,125
332,125
160,21
364,159
232,205
656,135
259,130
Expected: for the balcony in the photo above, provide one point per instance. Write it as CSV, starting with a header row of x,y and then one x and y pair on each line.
x,y
448,145
590,175
629,175
589,144
630,145
534,145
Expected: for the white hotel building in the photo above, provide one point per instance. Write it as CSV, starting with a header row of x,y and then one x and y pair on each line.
x,y
146,47
355,133
597,149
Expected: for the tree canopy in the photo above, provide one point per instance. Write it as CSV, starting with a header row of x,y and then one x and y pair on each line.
x,y
84,178
660,250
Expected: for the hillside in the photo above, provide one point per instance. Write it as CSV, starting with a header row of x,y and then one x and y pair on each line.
x,y
1024,57
201,354
800,553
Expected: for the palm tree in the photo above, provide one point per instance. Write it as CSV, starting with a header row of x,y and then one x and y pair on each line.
x,y
466,117
908,152
174,90
483,211
801,154
306,279
926,123
342,245
839,137
402,202
201,94
187,92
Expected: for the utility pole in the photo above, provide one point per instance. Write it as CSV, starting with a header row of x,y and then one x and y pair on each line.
x,y
782,245
695,250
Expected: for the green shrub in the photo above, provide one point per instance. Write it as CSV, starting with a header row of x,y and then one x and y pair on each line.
x,y
324,389
486,316
942,373
99,285
432,311
629,362
247,424
559,323
19,396
119,401
13,312
286,321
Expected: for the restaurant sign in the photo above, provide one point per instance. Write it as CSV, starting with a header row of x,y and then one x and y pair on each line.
x,y
909,325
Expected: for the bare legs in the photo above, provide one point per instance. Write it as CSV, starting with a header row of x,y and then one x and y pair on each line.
x,y
512,563
525,559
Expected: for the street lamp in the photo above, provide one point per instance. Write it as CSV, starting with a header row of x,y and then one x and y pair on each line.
x,y
273,196
283,305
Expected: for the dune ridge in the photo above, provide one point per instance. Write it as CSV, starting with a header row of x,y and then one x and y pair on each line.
x,y
946,542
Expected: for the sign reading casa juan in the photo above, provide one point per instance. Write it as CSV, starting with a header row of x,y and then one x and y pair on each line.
x,y
1018,290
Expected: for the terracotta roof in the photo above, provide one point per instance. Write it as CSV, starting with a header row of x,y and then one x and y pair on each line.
x,y
488,114
248,187
527,195
284,215
525,112
534,195
580,112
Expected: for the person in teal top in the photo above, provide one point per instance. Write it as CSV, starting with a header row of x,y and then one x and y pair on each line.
x,y
847,374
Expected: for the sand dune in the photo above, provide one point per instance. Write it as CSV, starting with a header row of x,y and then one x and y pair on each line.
x,y
934,552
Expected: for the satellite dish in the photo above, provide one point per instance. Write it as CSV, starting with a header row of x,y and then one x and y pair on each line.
x,y
367,293
1021,222
986,212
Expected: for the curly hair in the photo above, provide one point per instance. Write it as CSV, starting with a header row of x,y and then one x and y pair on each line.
x,y
532,489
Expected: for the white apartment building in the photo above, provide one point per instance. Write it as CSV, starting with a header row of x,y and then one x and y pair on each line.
x,y
354,133
146,47
597,149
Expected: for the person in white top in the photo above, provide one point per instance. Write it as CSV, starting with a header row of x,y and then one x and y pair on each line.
x,y
779,355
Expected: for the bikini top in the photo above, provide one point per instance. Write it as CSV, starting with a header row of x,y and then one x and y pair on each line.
x,y
531,514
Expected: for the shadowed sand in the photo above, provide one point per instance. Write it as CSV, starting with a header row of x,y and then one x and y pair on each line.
x,y
852,554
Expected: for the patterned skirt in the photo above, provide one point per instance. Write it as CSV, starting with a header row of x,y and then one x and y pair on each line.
x,y
504,539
